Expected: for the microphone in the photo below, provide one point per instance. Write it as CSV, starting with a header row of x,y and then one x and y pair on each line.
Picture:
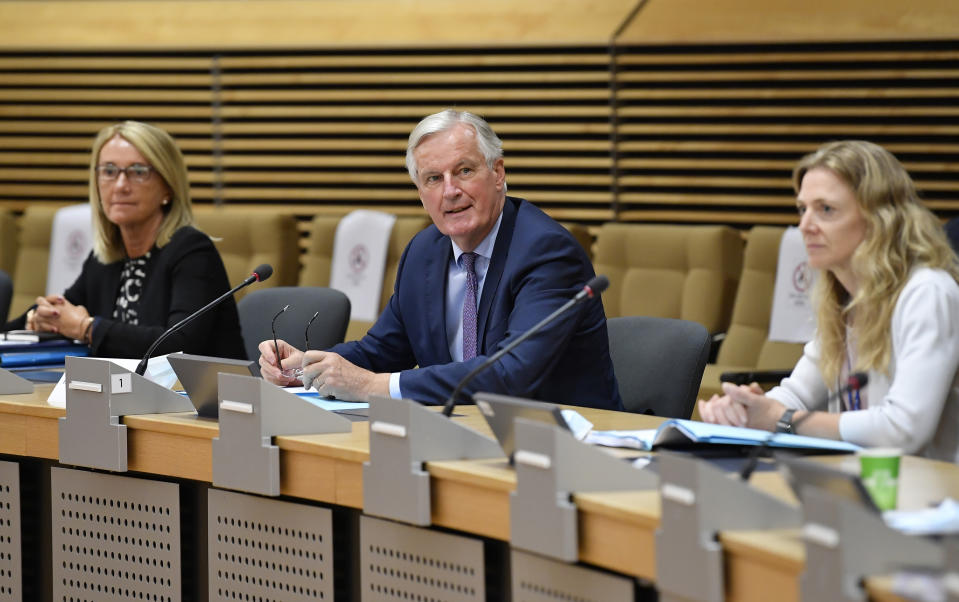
x,y
856,381
261,273
594,287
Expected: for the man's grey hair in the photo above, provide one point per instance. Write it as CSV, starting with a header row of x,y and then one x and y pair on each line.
x,y
487,140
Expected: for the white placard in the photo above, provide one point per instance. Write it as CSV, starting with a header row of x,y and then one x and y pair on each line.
x,y
70,243
359,260
792,319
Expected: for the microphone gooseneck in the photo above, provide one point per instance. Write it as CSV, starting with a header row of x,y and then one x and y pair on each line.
x,y
594,287
261,273
856,381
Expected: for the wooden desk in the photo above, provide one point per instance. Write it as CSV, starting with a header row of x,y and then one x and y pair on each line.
x,y
616,528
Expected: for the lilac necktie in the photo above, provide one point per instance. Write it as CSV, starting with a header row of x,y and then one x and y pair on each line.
x,y
469,307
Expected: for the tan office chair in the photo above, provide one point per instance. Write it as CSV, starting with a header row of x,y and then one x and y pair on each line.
x,y
8,241
684,272
33,255
319,257
746,346
246,239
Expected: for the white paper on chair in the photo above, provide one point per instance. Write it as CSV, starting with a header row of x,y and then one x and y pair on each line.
x,y
792,319
158,370
359,260
70,243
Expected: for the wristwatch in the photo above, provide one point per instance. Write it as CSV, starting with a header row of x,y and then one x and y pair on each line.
x,y
785,422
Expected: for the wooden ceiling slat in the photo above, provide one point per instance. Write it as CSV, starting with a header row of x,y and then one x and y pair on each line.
x,y
786,111
399,178
387,95
104,63
107,80
391,78
405,60
750,146
320,193
105,111
106,95
399,146
627,57
414,112
504,129
757,94
767,129
774,74
84,142
92,127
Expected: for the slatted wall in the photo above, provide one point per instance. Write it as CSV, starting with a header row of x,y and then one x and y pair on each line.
x,y
51,107
711,133
632,133
331,128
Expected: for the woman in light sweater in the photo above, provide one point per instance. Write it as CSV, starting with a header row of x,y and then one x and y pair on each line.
x,y
887,302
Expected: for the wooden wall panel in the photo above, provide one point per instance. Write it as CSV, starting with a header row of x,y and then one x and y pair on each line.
x,y
52,105
711,133
331,128
783,21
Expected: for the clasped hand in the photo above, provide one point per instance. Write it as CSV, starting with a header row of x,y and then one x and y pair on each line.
x,y
742,405
327,372
55,314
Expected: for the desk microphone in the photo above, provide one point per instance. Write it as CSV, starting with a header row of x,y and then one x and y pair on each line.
x,y
855,382
261,273
594,287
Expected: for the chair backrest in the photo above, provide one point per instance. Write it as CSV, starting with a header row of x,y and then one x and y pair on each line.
x,y
33,255
952,233
6,293
747,341
259,306
684,272
246,238
8,241
319,256
658,363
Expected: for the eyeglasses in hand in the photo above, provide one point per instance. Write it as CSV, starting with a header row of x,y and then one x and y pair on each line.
x,y
290,372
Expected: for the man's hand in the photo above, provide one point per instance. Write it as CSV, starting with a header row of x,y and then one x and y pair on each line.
x,y
290,358
330,374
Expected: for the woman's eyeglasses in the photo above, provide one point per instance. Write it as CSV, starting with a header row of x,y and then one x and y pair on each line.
x,y
290,372
135,173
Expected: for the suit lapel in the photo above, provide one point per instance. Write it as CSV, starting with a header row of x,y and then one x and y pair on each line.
x,y
496,266
435,283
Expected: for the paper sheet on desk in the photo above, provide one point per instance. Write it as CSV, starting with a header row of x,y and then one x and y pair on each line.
x,y
158,371
939,520
327,404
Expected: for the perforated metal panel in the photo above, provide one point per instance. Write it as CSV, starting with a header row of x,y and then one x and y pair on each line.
x,y
268,551
538,579
114,538
11,572
399,562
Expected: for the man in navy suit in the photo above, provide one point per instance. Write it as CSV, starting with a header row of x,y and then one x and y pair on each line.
x,y
520,265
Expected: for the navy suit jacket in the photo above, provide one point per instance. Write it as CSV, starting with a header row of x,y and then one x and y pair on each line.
x,y
536,267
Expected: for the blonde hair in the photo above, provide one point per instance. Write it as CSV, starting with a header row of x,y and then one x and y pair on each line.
x,y
159,148
901,234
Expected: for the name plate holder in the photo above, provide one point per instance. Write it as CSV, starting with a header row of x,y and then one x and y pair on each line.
x,y
404,435
13,384
846,542
697,501
552,465
251,412
98,393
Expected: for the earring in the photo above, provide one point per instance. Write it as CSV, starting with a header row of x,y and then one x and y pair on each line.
x,y
166,201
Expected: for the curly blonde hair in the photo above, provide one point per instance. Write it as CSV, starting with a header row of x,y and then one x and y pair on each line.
x,y
159,148
901,234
